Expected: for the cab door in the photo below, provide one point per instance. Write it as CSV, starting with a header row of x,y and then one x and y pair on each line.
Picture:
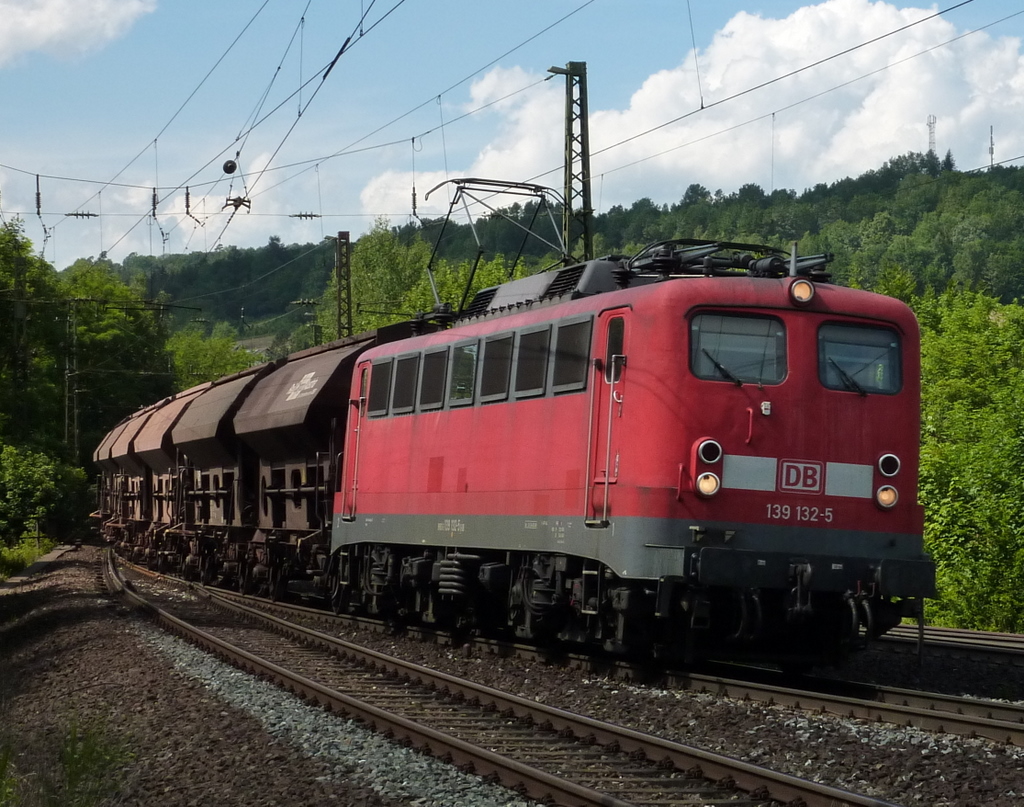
x,y
607,402
350,457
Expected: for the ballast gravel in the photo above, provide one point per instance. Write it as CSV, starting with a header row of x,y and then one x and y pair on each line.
x,y
200,732
210,734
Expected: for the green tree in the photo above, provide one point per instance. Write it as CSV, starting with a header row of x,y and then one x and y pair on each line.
x,y
197,357
116,357
31,343
972,457
383,270
37,491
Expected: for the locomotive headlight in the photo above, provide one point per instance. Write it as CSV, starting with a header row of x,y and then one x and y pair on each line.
x,y
886,496
801,291
889,465
710,451
708,484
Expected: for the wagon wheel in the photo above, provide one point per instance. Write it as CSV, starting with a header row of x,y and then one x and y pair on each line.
x,y
278,582
333,590
207,570
245,582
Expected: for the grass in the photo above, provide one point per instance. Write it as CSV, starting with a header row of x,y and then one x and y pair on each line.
x,y
14,559
8,782
87,771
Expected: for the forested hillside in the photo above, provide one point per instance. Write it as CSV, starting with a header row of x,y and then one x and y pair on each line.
x,y
84,347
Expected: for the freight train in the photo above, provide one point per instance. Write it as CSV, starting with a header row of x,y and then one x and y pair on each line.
x,y
706,450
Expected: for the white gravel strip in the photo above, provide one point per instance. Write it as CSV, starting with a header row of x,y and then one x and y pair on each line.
x,y
390,770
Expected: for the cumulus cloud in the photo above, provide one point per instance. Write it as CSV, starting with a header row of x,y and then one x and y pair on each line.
x,y
843,115
63,27
527,145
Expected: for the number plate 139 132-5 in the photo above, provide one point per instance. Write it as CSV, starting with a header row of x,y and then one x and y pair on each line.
x,y
799,512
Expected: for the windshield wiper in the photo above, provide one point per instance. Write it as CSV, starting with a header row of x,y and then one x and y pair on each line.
x,y
721,368
847,379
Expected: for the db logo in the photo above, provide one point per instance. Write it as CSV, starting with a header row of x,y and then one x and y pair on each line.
x,y
801,477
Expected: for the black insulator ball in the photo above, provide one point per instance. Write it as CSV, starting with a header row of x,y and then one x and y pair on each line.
x,y
230,166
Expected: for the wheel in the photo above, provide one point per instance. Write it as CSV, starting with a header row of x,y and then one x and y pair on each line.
x,y
245,584
278,583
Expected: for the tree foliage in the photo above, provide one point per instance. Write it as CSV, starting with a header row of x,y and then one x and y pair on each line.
x,y
37,492
197,357
116,359
383,268
972,457
79,350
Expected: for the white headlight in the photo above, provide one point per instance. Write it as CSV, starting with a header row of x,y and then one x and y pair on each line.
x,y
708,484
886,496
801,291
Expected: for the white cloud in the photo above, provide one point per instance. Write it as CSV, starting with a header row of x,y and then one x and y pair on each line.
x,y
64,27
527,144
839,118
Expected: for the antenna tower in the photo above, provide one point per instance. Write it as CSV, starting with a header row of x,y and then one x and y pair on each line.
x,y
991,148
931,134
578,210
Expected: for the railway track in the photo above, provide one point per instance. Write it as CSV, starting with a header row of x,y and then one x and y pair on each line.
x,y
930,711
1003,648
998,721
546,753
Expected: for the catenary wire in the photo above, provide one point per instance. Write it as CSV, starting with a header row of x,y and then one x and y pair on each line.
x,y
810,97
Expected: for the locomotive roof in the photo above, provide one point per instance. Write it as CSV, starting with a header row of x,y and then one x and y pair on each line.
x,y
663,260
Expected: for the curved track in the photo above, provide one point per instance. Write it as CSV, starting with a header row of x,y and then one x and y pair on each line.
x,y
930,711
544,752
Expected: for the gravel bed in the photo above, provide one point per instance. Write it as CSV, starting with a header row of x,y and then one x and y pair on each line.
x,y
901,765
73,653
200,732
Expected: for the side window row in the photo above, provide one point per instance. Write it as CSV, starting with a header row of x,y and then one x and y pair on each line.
x,y
527,363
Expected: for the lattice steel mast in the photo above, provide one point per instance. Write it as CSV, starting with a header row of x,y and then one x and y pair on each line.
x,y
578,211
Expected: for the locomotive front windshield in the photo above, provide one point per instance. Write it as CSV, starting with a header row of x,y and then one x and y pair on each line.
x,y
859,358
730,347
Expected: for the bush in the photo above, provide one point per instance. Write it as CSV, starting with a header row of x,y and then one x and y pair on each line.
x,y
16,558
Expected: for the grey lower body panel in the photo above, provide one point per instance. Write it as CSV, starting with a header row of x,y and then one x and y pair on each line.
x,y
711,553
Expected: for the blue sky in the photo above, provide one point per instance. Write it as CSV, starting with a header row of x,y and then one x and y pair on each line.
x,y
158,93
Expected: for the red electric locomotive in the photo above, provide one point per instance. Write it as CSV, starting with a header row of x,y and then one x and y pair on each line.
x,y
706,450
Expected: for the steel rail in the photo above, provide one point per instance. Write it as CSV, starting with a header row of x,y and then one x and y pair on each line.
x,y
928,711
748,777
759,782
1001,723
538,784
1007,648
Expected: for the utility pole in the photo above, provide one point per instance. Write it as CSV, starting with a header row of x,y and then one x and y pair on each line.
x,y
578,210
343,281
71,380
